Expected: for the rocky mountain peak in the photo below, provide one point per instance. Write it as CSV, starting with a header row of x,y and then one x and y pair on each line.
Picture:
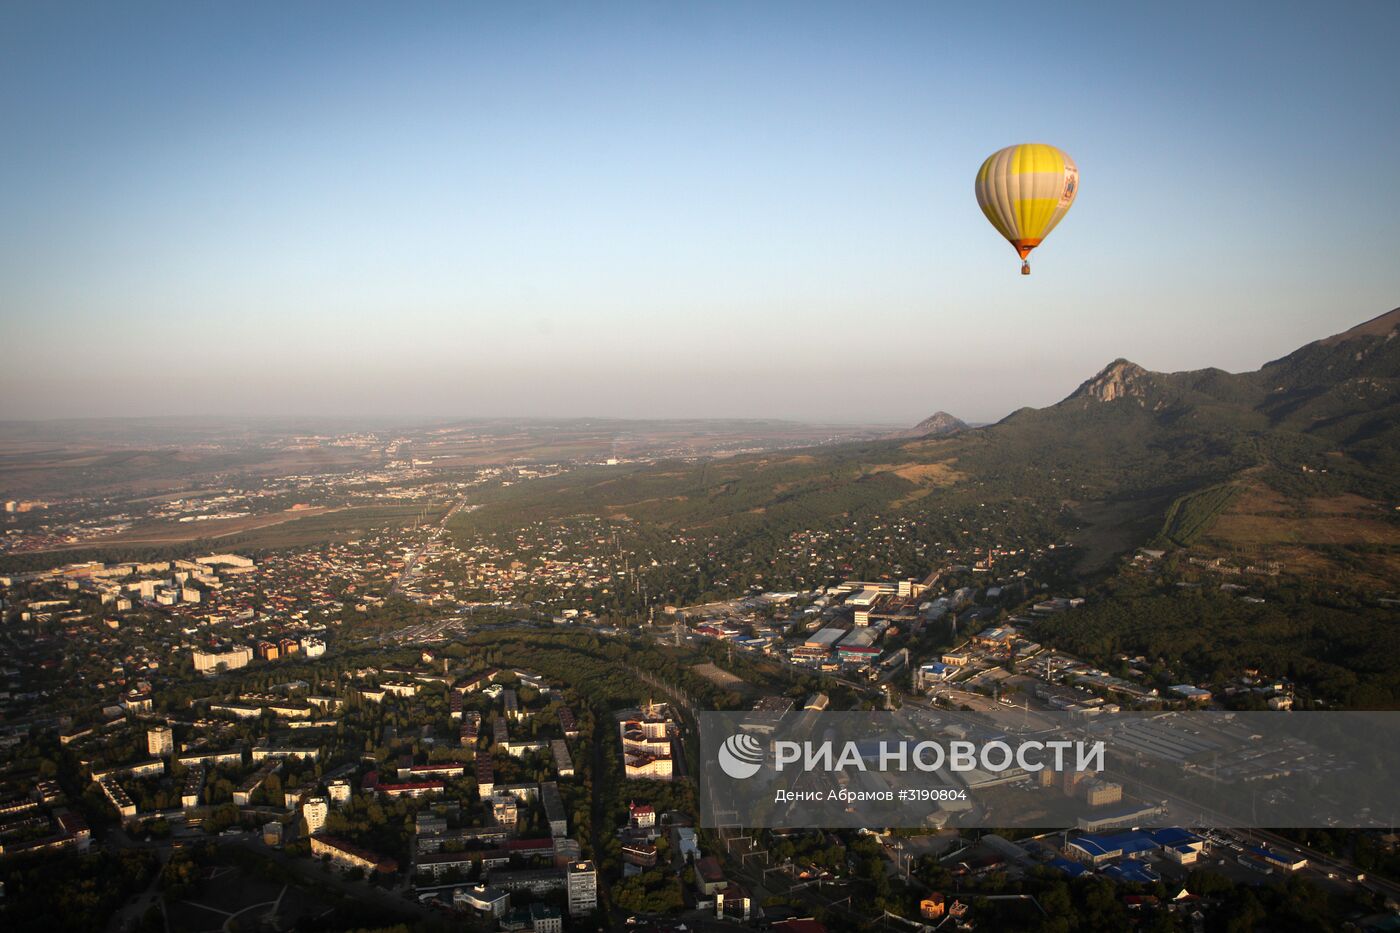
x,y
940,422
935,425
1119,379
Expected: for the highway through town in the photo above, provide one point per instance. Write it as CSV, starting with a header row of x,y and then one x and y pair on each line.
x,y
406,574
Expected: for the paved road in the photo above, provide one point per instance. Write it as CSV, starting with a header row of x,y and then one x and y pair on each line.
x,y
1316,858
412,562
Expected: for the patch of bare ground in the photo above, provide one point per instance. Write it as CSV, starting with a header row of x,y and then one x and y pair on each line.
x,y
1262,517
723,679
1346,538
166,533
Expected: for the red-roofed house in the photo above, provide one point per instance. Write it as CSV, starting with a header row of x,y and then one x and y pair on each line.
x,y
642,815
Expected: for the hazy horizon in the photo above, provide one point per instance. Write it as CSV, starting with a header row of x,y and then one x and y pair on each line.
x,y
376,422
426,418
635,211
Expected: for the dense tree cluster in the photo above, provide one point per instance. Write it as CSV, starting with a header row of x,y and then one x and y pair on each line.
x,y
1334,649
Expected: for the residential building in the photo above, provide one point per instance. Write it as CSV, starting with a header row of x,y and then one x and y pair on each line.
x,y
315,811
339,791
582,885
503,809
563,761
194,785
118,797
534,880
641,815
484,899
554,809
211,662
646,743
212,758
149,768
160,741
1102,793
709,877
545,918
348,856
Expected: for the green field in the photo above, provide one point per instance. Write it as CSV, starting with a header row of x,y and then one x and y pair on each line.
x,y
1192,515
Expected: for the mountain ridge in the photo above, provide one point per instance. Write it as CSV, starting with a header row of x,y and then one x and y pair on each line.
x,y
1107,466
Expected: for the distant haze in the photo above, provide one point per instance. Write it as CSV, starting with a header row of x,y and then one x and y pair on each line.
x,y
656,210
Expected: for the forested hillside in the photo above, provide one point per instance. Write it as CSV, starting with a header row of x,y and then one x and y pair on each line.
x,y
1129,458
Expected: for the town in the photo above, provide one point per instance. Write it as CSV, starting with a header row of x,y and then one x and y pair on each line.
x,y
431,720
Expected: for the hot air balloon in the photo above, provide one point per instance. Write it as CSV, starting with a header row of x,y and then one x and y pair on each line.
x,y
1025,190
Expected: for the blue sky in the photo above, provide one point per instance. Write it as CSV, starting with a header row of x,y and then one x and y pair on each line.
x,y
672,210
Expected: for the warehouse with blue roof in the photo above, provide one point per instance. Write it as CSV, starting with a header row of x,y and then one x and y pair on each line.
x,y
1277,859
1072,869
1132,871
1096,849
